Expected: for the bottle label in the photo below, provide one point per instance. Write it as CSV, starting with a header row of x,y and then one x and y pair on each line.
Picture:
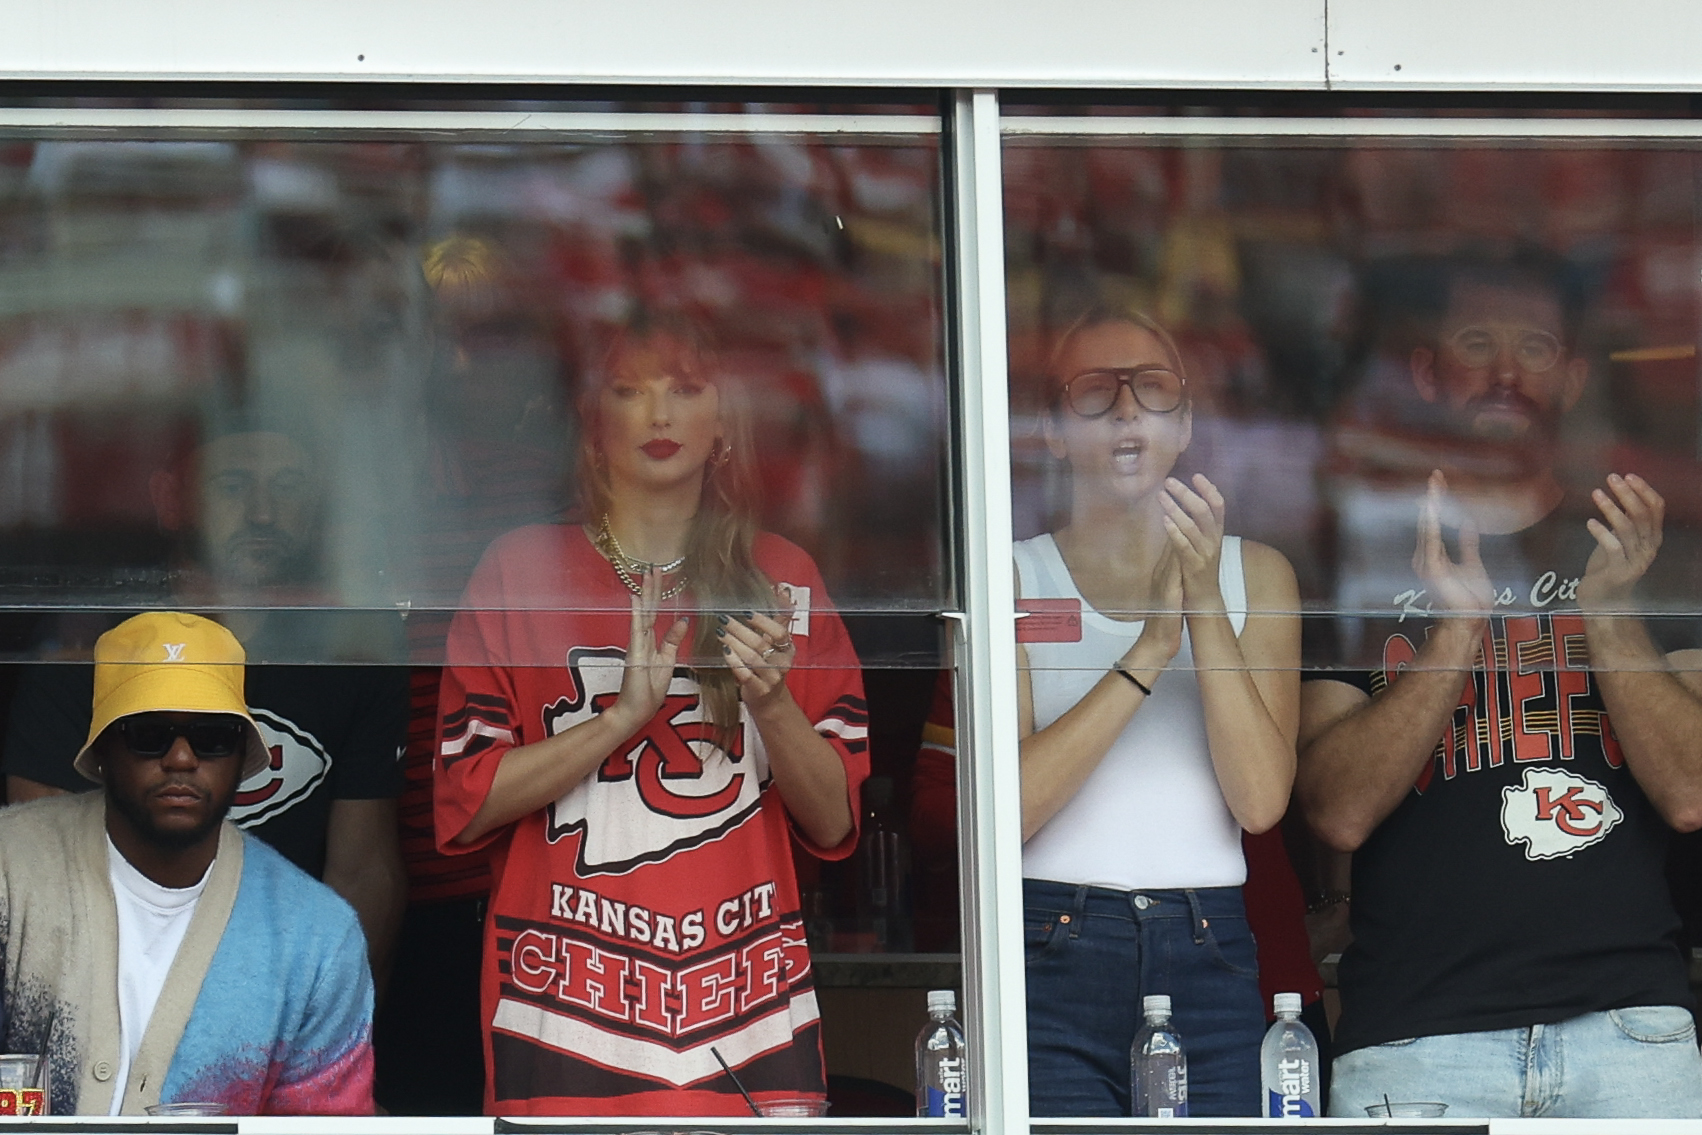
x,y
947,1105
1288,1107
1287,1100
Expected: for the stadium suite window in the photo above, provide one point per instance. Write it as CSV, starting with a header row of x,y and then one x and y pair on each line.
x,y
421,423
1337,335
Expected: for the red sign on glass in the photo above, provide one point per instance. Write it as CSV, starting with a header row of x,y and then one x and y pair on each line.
x,y
1049,620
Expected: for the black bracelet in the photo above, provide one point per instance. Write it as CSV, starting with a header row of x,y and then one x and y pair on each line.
x,y
1139,685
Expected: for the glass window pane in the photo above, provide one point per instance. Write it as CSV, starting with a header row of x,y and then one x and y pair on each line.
x,y
420,415
1484,350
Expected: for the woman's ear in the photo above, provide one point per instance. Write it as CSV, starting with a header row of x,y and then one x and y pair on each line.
x,y
1187,426
1054,435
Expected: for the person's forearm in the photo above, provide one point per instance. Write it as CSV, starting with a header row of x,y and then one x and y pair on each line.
x,y
1058,759
1657,718
807,771
1357,771
1251,754
531,776
378,890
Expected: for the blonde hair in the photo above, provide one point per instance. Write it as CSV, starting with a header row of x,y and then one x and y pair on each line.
x,y
1098,316
720,556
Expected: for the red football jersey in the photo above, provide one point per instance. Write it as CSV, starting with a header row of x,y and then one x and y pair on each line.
x,y
651,913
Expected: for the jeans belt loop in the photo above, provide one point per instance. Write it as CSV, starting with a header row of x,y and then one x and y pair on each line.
x,y
1199,919
1078,910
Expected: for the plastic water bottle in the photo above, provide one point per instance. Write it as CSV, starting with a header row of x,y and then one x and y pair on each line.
x,y
942,1060
1158,1068
1288,1064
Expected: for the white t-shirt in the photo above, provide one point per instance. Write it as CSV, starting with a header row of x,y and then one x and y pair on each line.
x,y
151,923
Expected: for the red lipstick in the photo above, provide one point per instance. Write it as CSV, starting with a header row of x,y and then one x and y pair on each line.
x,y
661,448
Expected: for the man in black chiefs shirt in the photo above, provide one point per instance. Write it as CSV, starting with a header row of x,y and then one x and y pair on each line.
x,y
248,506
1507,755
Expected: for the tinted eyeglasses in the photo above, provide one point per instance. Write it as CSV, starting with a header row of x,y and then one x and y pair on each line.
x,y
1157,389
1533,349
151,736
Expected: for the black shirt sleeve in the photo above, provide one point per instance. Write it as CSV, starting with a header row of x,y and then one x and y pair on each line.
x,y
369,762
49,722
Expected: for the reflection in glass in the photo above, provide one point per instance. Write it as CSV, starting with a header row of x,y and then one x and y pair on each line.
x,y
416,318
1458,387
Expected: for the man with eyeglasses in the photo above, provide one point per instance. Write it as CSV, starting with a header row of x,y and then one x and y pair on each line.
x,y
153,953
1508,756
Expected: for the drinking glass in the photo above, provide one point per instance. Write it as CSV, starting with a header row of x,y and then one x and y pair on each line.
x,y
187,1107
1399,1110
792,1107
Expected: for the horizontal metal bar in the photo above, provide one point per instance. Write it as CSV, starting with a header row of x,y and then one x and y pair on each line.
x,y
482,124
1441,129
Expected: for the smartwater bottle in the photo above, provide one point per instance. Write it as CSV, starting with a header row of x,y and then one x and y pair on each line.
x,y
1288,1064
1158,1068
942,1056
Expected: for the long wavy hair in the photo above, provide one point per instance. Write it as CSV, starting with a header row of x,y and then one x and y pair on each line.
x,y
720,559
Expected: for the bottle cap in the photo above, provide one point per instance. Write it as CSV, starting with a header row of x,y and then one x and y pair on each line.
x,y
1155,1003
1286,1003
942,1001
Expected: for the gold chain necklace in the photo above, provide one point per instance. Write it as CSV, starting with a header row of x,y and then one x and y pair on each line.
x,y
632,571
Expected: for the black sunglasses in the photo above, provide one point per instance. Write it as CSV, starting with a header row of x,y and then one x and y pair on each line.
x,y
1157,389
151,736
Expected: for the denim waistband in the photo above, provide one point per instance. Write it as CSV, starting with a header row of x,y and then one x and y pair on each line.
x,y
1105,902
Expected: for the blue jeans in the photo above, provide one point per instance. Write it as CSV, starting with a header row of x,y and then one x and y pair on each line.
x,y
1624,1063
1093,953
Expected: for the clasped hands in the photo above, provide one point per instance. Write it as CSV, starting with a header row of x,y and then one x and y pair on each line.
x,y
758,649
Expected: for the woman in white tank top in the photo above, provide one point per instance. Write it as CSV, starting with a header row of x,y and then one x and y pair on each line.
x,y
1151,738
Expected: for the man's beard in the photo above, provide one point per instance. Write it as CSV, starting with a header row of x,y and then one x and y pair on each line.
x,y
286,560
165,839
1510,431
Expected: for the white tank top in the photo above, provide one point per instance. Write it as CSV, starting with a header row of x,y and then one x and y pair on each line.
x,y
1151,815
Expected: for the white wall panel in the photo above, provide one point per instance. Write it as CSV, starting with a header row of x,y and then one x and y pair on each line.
x,y
1516,44
1267,43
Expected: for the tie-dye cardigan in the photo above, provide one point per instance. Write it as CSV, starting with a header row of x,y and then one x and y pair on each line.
x,y
267,1008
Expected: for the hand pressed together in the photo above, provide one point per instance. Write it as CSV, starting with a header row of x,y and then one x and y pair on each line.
x,y
760,651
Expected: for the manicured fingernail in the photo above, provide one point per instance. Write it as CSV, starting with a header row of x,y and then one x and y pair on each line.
x,y
722,619
720,632
749,615
726,649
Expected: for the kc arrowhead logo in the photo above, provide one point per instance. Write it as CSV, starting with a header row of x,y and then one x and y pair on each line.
x,y
1555,813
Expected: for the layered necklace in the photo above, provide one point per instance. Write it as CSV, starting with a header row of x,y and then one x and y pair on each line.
x,y
632,571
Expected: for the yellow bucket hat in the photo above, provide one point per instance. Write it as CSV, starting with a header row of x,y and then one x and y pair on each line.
x,y
171,662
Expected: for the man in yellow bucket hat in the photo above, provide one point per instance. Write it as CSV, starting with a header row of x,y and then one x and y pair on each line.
x,y
156,953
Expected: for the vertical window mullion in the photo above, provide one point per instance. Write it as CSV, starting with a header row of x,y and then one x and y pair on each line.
x,y
990,813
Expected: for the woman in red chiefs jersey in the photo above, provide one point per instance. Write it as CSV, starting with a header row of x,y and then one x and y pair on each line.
x,y
640,797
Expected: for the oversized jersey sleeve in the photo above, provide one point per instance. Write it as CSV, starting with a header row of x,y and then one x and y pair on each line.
x,y
478,711
826,680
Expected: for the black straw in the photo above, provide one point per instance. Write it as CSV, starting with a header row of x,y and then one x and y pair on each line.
x,y
755,1110
1388,1108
